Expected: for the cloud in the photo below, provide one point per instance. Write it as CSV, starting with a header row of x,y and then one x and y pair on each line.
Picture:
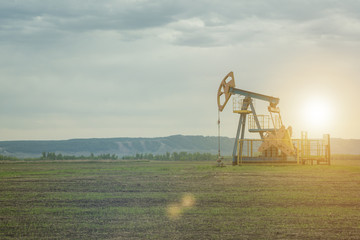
x,y
188,23
33,17
157,64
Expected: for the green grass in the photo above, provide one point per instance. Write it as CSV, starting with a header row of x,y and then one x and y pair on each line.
x,y
130,200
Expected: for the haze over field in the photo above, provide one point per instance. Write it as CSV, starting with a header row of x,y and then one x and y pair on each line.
x,y
152,68
132,146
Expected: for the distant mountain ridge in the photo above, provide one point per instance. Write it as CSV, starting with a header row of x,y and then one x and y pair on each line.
x,y
132,146
118,146
345,146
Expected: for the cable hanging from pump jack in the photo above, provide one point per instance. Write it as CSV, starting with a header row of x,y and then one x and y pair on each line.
x,y
219,160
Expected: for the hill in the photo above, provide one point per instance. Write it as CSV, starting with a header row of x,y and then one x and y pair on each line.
x,y
131,146
118,146
345,146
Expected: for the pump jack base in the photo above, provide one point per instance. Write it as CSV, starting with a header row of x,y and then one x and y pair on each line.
x,y
219,162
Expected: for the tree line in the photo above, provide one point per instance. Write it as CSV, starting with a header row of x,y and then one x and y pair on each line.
x,y
173,156
59,156
3,157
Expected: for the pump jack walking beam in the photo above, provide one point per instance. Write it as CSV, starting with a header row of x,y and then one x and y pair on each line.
x,y
272,100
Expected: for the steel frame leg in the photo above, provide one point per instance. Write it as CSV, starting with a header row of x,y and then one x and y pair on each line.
x,y
237,139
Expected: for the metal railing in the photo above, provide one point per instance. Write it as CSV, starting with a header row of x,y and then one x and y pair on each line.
x,y
265,122
237,103
307,151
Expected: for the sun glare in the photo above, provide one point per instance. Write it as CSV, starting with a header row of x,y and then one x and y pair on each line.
x,y
317,112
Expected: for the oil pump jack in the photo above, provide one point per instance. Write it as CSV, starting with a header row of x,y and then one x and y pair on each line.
x,y
275,138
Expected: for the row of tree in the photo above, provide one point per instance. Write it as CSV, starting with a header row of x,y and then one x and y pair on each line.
x,y
148,156
59,156
173,156
3,157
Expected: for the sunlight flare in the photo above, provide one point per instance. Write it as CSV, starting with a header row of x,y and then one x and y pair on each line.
x,y
175,210
317,112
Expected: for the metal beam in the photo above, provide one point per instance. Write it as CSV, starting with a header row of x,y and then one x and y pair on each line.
x,y
237,137
241,127
256,120
273,100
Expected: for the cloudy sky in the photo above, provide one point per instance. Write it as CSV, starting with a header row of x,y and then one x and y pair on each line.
x,y
138,68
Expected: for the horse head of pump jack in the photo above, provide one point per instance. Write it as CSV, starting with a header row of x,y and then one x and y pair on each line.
x,y
224,89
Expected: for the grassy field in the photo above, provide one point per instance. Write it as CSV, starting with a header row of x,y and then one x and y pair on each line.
x,y
178,200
